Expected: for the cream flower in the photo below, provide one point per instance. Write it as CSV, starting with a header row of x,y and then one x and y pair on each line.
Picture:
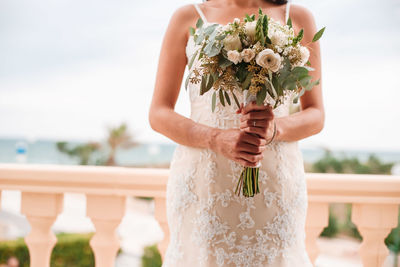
x,y
234,56
269,60
247,54
304,54
232,42
279,38
297,55
236,20
250,28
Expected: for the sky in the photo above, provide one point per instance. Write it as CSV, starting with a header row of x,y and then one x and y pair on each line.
x,y
70,69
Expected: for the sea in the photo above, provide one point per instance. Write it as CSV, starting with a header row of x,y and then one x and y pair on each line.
x,y
146,154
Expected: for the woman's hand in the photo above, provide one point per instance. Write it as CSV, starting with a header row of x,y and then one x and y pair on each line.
x,y
257,119
239,146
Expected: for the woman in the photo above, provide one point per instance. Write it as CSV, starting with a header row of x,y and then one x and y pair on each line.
x,y
209,224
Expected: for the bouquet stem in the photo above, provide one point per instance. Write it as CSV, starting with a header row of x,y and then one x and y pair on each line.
x,y
248,182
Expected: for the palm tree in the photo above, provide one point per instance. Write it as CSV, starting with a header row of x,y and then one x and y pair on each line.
x,y
118,138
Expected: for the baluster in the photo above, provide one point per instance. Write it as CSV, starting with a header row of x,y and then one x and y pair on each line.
x,y
106,213
317,220
41,210
374,221
161,217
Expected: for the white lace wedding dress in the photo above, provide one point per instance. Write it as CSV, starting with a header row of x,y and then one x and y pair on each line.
x,y
209,224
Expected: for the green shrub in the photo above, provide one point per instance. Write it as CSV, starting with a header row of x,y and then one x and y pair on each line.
x,y
393,240
151,257
70,250
332,229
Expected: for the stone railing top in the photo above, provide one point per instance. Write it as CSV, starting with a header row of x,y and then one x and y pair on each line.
x,y
84,179
102,180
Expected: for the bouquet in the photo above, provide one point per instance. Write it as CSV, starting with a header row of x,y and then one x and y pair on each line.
x,y
261,57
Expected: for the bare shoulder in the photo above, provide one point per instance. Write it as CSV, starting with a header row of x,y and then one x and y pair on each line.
x,y
185,13
183,17
302,17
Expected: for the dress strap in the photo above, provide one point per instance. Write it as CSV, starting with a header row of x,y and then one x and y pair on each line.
x,y
287,10
200,13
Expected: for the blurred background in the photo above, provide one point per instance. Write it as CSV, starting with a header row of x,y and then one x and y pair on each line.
x,y
76,80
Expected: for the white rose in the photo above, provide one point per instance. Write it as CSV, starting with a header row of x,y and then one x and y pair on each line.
x,y
234,56
247,54
269,60
304,54
250,28
232,42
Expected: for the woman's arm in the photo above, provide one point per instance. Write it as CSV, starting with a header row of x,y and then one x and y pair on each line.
x,y
171,66
308,121
235,144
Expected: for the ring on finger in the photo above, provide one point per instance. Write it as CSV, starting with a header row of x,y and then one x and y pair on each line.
x,y
254,123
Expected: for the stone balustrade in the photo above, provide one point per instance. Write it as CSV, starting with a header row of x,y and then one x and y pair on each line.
x,y
375,200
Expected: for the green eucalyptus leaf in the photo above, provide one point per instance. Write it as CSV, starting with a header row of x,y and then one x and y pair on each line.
x,y
277,86
261,95
208,47
213,101
236,100
228,100
210,82
289,23
192,59
318,35
305,80
199,39
220,37
215,50
187,80
192,31
199,23
299,37
299,71
224,62
221,97
247,81
210,29
311,85
242,72
215,76
289,84
203,84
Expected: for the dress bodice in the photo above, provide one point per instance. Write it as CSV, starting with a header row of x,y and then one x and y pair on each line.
x,y
223,116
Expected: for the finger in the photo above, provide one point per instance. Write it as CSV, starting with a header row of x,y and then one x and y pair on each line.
x,y
253,106
251,139
245,162
257,115
254,123
253,149
250,157
255,130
